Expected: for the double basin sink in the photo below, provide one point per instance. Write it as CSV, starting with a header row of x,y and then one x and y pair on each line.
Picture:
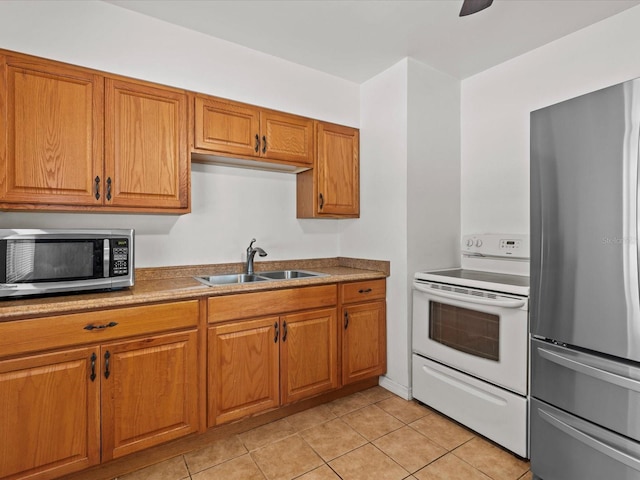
x,y
234,278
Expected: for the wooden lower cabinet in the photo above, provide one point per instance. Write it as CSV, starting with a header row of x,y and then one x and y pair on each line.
x,y
64,410
308,354
364,349
49,414
150,395
243,369
364,330
259,364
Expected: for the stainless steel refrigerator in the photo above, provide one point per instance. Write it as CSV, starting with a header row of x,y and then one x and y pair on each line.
x,y
585,300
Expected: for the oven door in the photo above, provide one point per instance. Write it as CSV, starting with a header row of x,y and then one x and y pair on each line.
x,y
478,332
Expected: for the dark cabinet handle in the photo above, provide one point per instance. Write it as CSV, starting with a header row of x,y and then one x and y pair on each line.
x,y
364,290
93,367
346,319
109,188
97,187
284,334
275,338
107,356
257,143
264,144
100,327
321,201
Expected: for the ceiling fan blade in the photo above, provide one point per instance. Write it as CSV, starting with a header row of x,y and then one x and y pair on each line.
x,y
474,6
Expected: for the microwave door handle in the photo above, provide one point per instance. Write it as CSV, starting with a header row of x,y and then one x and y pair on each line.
x,y
106,251
511,303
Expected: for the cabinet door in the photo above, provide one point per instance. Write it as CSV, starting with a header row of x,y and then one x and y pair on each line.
x,y
149,392
146,157
364,343
338,170
49,414
308,354
227,127
243,369
51,127
286,137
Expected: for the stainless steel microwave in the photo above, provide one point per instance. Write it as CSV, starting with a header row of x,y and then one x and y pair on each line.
x,y
41,262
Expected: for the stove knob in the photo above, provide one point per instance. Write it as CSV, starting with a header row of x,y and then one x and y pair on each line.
x,y
470,242
478,243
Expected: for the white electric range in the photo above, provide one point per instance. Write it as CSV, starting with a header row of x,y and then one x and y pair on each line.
x,y
470,339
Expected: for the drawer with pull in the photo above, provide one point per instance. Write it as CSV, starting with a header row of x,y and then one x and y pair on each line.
x,y
46,333
363,291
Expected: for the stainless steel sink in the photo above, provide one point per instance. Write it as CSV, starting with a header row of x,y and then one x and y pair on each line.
x,y
230,279
235,278
289,274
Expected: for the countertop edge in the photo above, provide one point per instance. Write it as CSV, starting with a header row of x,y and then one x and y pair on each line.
x,y
156,286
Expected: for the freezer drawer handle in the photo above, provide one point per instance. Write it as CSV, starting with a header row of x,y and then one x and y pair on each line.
x,y
592,371
464,386
515,303
596,444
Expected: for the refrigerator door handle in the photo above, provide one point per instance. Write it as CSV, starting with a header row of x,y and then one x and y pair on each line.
x,y
591,370
595,443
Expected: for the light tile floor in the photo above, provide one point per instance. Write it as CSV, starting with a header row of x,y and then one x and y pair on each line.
x,y
370,435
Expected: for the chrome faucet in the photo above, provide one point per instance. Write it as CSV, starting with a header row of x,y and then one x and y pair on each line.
x,y
251,251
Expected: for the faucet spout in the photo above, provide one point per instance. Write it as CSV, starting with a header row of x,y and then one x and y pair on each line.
x,y
251,253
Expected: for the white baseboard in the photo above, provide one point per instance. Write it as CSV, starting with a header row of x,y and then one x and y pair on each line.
x,y
400,390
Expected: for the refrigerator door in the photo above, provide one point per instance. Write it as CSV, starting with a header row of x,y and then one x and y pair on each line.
x,y
604,391
584,228
564,447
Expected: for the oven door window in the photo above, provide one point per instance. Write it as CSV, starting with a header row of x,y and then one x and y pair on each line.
x,y
469,331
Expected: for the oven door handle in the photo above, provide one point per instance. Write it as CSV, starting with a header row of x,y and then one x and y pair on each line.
x,y
510,303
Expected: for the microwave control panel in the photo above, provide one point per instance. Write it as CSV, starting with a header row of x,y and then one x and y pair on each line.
x,y
119,257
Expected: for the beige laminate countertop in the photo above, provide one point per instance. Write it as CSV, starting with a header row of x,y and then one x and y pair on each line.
x,y
177,283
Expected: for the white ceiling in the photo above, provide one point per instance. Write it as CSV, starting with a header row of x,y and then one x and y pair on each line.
x,y
357,39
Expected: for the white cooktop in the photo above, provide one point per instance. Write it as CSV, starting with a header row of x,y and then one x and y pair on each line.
x,y
497,262
497,282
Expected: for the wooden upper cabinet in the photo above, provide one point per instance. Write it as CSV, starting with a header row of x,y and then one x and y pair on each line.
x,y
286,137
227,128
74,139
146,156
51,122
332,188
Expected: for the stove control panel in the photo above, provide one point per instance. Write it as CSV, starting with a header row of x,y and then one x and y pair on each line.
x,y
496,245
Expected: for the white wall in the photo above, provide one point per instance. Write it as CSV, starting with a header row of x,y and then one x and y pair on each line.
x,y
410,190
229,205
380,233
433,183
496,106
